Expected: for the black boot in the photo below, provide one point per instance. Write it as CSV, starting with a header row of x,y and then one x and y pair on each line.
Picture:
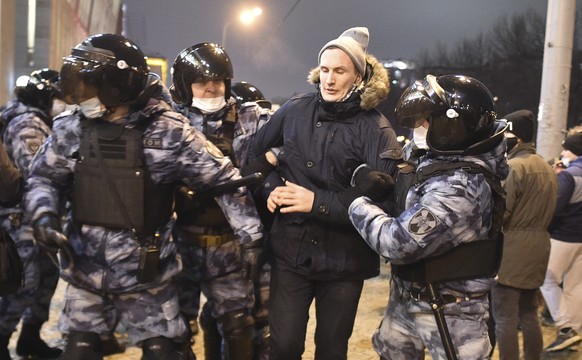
x,y
160,348
31,345
4,353
110,345
82,346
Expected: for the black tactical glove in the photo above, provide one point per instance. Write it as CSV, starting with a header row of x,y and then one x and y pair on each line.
x,y
44,230
259,164
374,184
47,232
252,259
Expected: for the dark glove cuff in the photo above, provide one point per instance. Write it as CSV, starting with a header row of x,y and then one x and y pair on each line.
x,y
260,164
360,174
348,195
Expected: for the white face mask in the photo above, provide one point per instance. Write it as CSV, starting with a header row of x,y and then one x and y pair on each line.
x,y
93,108
209,105
58,107
419,137
565,161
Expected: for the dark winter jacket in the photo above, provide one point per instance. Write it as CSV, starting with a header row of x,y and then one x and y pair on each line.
x,y
567,222
322,143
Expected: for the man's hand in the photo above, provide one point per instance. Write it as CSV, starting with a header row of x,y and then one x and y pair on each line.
x,y
253,259
291,198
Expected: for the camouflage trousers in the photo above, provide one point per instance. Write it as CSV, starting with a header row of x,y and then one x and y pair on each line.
x,y
145,314
409,327
32,301
216,272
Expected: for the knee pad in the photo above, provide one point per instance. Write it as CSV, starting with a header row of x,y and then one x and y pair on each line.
x,y
234,321
160,348
261,342
237,327
82,345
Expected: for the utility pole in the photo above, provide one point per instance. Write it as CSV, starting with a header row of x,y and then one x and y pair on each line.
x,y
555,90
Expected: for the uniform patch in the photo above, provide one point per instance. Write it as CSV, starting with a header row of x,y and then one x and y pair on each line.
x,y
33,145
422,222
213,150
152,143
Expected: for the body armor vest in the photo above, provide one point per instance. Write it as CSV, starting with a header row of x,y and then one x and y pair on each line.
x,y
472,260
112,185
204,210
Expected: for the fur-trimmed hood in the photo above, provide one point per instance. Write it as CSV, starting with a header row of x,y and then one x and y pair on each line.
x,y
376,85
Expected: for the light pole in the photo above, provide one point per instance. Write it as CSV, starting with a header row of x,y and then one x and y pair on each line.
x,y
246,17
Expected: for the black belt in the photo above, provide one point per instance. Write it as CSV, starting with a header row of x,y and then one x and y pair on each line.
x,y
424,296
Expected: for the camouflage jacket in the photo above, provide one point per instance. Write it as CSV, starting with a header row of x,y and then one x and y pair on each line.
x,y
26,129
107,259
441,213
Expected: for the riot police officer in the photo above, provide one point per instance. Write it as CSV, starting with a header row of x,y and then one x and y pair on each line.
x,y
201,90
249,120
445,245
27,122
118,159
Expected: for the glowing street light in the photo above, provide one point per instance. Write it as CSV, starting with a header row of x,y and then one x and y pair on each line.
x,y
246,17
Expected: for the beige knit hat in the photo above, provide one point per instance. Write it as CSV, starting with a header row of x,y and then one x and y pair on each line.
x,y
353,42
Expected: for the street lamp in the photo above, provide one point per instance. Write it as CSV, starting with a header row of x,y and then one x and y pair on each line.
x,y
246,17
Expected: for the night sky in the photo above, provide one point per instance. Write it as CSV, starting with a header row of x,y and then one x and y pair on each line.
x,y
278,51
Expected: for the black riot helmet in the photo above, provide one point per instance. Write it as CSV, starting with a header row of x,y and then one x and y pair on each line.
x,y
40,89
245,92
108,66
199,63
459,110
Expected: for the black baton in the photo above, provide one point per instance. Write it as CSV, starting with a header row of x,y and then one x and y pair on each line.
x,y
436,304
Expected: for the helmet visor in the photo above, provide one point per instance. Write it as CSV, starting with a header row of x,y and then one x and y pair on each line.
x,y
418,102
79,79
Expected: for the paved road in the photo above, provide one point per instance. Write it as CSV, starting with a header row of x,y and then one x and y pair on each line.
x,y
370,312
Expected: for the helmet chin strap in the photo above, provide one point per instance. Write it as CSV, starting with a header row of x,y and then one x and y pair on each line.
x,y
491,142
116,113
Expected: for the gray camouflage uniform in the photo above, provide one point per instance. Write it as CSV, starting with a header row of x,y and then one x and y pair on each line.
x,y
216,269
441,213
103,277
23,136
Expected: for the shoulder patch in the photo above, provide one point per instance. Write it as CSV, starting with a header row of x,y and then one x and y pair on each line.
x,y
422,222
33,144
213,150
